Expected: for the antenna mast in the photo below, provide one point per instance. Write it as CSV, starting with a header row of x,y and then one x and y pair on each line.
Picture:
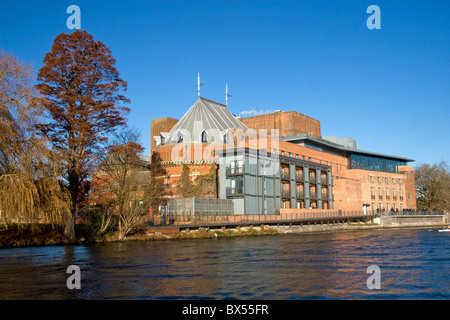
x,y
198,84
226,95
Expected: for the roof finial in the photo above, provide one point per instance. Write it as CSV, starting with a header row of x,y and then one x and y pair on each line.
x,y
198,84
226,94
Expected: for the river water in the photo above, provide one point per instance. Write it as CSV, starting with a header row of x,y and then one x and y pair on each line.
x,y
413,264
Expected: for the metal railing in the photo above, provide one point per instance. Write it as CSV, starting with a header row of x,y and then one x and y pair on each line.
x,y
285,194
408,212
237,170
233,191
294,217
285,175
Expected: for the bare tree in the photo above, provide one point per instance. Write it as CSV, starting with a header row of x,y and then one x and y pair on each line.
x,y
433,186
125,183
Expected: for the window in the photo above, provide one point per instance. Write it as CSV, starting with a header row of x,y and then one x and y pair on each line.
x,y
204,136
407,174
409,196
386,180
290,155
282,153
180,137
374,163
371,178
393,181
225,138
296,156
379,180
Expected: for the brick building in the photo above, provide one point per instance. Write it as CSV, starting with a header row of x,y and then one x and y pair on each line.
x,y
270,162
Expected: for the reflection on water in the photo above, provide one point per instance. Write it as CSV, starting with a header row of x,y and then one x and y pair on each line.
x,y
414,265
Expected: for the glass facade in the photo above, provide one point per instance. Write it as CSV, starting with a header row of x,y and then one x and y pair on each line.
x,y
366,162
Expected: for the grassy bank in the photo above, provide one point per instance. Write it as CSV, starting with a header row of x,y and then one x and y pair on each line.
x,y
39,235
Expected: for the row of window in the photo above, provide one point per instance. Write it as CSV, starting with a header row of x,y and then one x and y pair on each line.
x,y
301,205
386,180
291,155
388,196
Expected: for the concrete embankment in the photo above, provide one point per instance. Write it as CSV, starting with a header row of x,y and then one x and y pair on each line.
x,y
382,222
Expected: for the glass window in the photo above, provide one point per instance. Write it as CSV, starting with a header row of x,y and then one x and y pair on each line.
x,y
374,163
204,136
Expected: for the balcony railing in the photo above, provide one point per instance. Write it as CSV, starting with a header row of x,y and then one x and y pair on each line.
x,y
380,197
299,195
313,196
285,194
299,178
235,191
284,175
239,170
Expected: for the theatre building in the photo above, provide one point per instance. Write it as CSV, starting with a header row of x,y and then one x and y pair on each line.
x,y
278,161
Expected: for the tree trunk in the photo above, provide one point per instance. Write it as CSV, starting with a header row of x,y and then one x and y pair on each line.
x,y
69,229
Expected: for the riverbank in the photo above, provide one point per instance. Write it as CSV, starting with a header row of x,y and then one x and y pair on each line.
x,y
48,236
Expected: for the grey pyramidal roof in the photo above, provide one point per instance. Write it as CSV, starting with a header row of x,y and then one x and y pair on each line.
x,y
204,115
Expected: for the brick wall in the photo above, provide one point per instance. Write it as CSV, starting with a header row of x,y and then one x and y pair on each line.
x,y
160,125
410,186
288,123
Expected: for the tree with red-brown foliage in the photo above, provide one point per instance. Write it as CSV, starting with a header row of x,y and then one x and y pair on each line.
x,y
82,95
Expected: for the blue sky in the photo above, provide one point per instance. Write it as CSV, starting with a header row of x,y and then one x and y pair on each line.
x,y
389,89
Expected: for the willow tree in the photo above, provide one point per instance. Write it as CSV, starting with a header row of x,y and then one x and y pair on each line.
x,y
83,104
29,171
